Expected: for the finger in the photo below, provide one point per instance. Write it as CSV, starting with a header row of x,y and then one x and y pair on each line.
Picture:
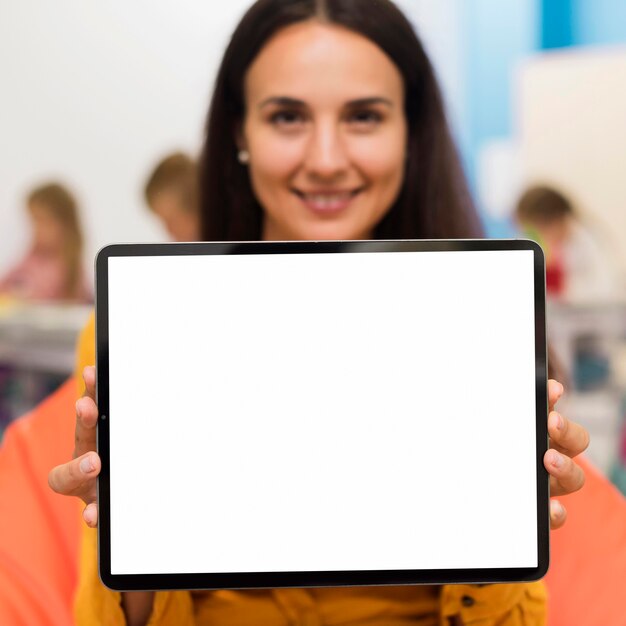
x,y
86,422
89,376
90,515
555,391
566,436
77,477
558,514
565,476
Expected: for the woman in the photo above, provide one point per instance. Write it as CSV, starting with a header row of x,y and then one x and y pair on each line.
x,y
52,268
326,122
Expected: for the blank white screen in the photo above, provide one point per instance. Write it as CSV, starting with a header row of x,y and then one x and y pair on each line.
x,y
308,412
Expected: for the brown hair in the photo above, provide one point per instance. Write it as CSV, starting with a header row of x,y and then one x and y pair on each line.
x,y
61,205
542,204
434,201
176,171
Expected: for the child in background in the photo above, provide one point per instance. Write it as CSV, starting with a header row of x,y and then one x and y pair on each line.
x,y
50,271
577,267
171,194
52,268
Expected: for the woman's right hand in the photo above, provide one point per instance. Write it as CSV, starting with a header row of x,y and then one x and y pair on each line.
x,y
78,476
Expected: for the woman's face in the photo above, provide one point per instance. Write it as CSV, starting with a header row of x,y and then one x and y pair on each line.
x,y
326,133
47,230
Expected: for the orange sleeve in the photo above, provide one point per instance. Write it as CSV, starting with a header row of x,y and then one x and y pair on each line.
x,y
95,603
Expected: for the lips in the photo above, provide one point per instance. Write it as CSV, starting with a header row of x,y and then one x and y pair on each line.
x,y
327,201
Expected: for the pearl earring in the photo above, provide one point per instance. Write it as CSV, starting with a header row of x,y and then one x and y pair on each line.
x,y
243,156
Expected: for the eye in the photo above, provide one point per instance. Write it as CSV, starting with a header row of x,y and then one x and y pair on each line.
x,y
287,119
364,119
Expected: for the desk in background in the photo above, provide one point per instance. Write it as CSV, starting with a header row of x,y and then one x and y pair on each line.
x,y
37,352
590,343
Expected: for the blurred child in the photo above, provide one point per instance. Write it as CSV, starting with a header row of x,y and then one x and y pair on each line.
x,y
52,268
577,267
171,194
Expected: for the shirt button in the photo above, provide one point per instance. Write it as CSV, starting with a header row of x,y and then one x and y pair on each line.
x,y
468,601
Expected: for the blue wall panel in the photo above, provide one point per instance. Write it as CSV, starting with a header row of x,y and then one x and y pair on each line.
x,y
599,21
556,23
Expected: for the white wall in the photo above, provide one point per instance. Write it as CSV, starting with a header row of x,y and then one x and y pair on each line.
x,y
572,127
93,93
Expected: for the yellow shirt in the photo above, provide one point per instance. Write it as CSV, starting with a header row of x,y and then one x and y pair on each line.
x,y
447,605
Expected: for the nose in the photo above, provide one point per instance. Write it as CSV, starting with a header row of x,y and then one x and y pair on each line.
x,y
326,157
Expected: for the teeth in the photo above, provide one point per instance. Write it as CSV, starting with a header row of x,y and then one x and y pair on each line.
x,y
327,201
327,198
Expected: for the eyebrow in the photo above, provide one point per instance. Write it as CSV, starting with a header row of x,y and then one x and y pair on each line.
x,y
294,102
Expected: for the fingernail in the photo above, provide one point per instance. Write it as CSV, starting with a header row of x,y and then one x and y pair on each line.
x,y
557,459
88,516
560,423
86,465
556,508
78,412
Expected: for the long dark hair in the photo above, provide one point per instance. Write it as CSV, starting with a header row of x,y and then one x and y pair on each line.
x,y
434,201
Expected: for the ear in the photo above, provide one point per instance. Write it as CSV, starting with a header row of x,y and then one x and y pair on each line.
x,y
243,156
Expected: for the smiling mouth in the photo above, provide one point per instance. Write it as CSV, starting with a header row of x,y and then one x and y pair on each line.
x,y
327,202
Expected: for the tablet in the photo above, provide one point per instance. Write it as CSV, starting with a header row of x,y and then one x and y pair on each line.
x,y
321,413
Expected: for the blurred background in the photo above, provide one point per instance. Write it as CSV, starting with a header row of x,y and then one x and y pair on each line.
x,y
97,95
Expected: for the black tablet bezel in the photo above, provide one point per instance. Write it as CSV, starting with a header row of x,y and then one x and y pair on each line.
x,y
250,580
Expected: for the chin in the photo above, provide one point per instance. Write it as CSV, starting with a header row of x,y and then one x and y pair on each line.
x,y
309,228
327,234
333,229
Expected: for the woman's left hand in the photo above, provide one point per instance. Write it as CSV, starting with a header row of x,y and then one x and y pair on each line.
x,y
567,440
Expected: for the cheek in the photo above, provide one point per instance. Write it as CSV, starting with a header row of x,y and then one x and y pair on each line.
x,y
273,160
382,159
270,171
